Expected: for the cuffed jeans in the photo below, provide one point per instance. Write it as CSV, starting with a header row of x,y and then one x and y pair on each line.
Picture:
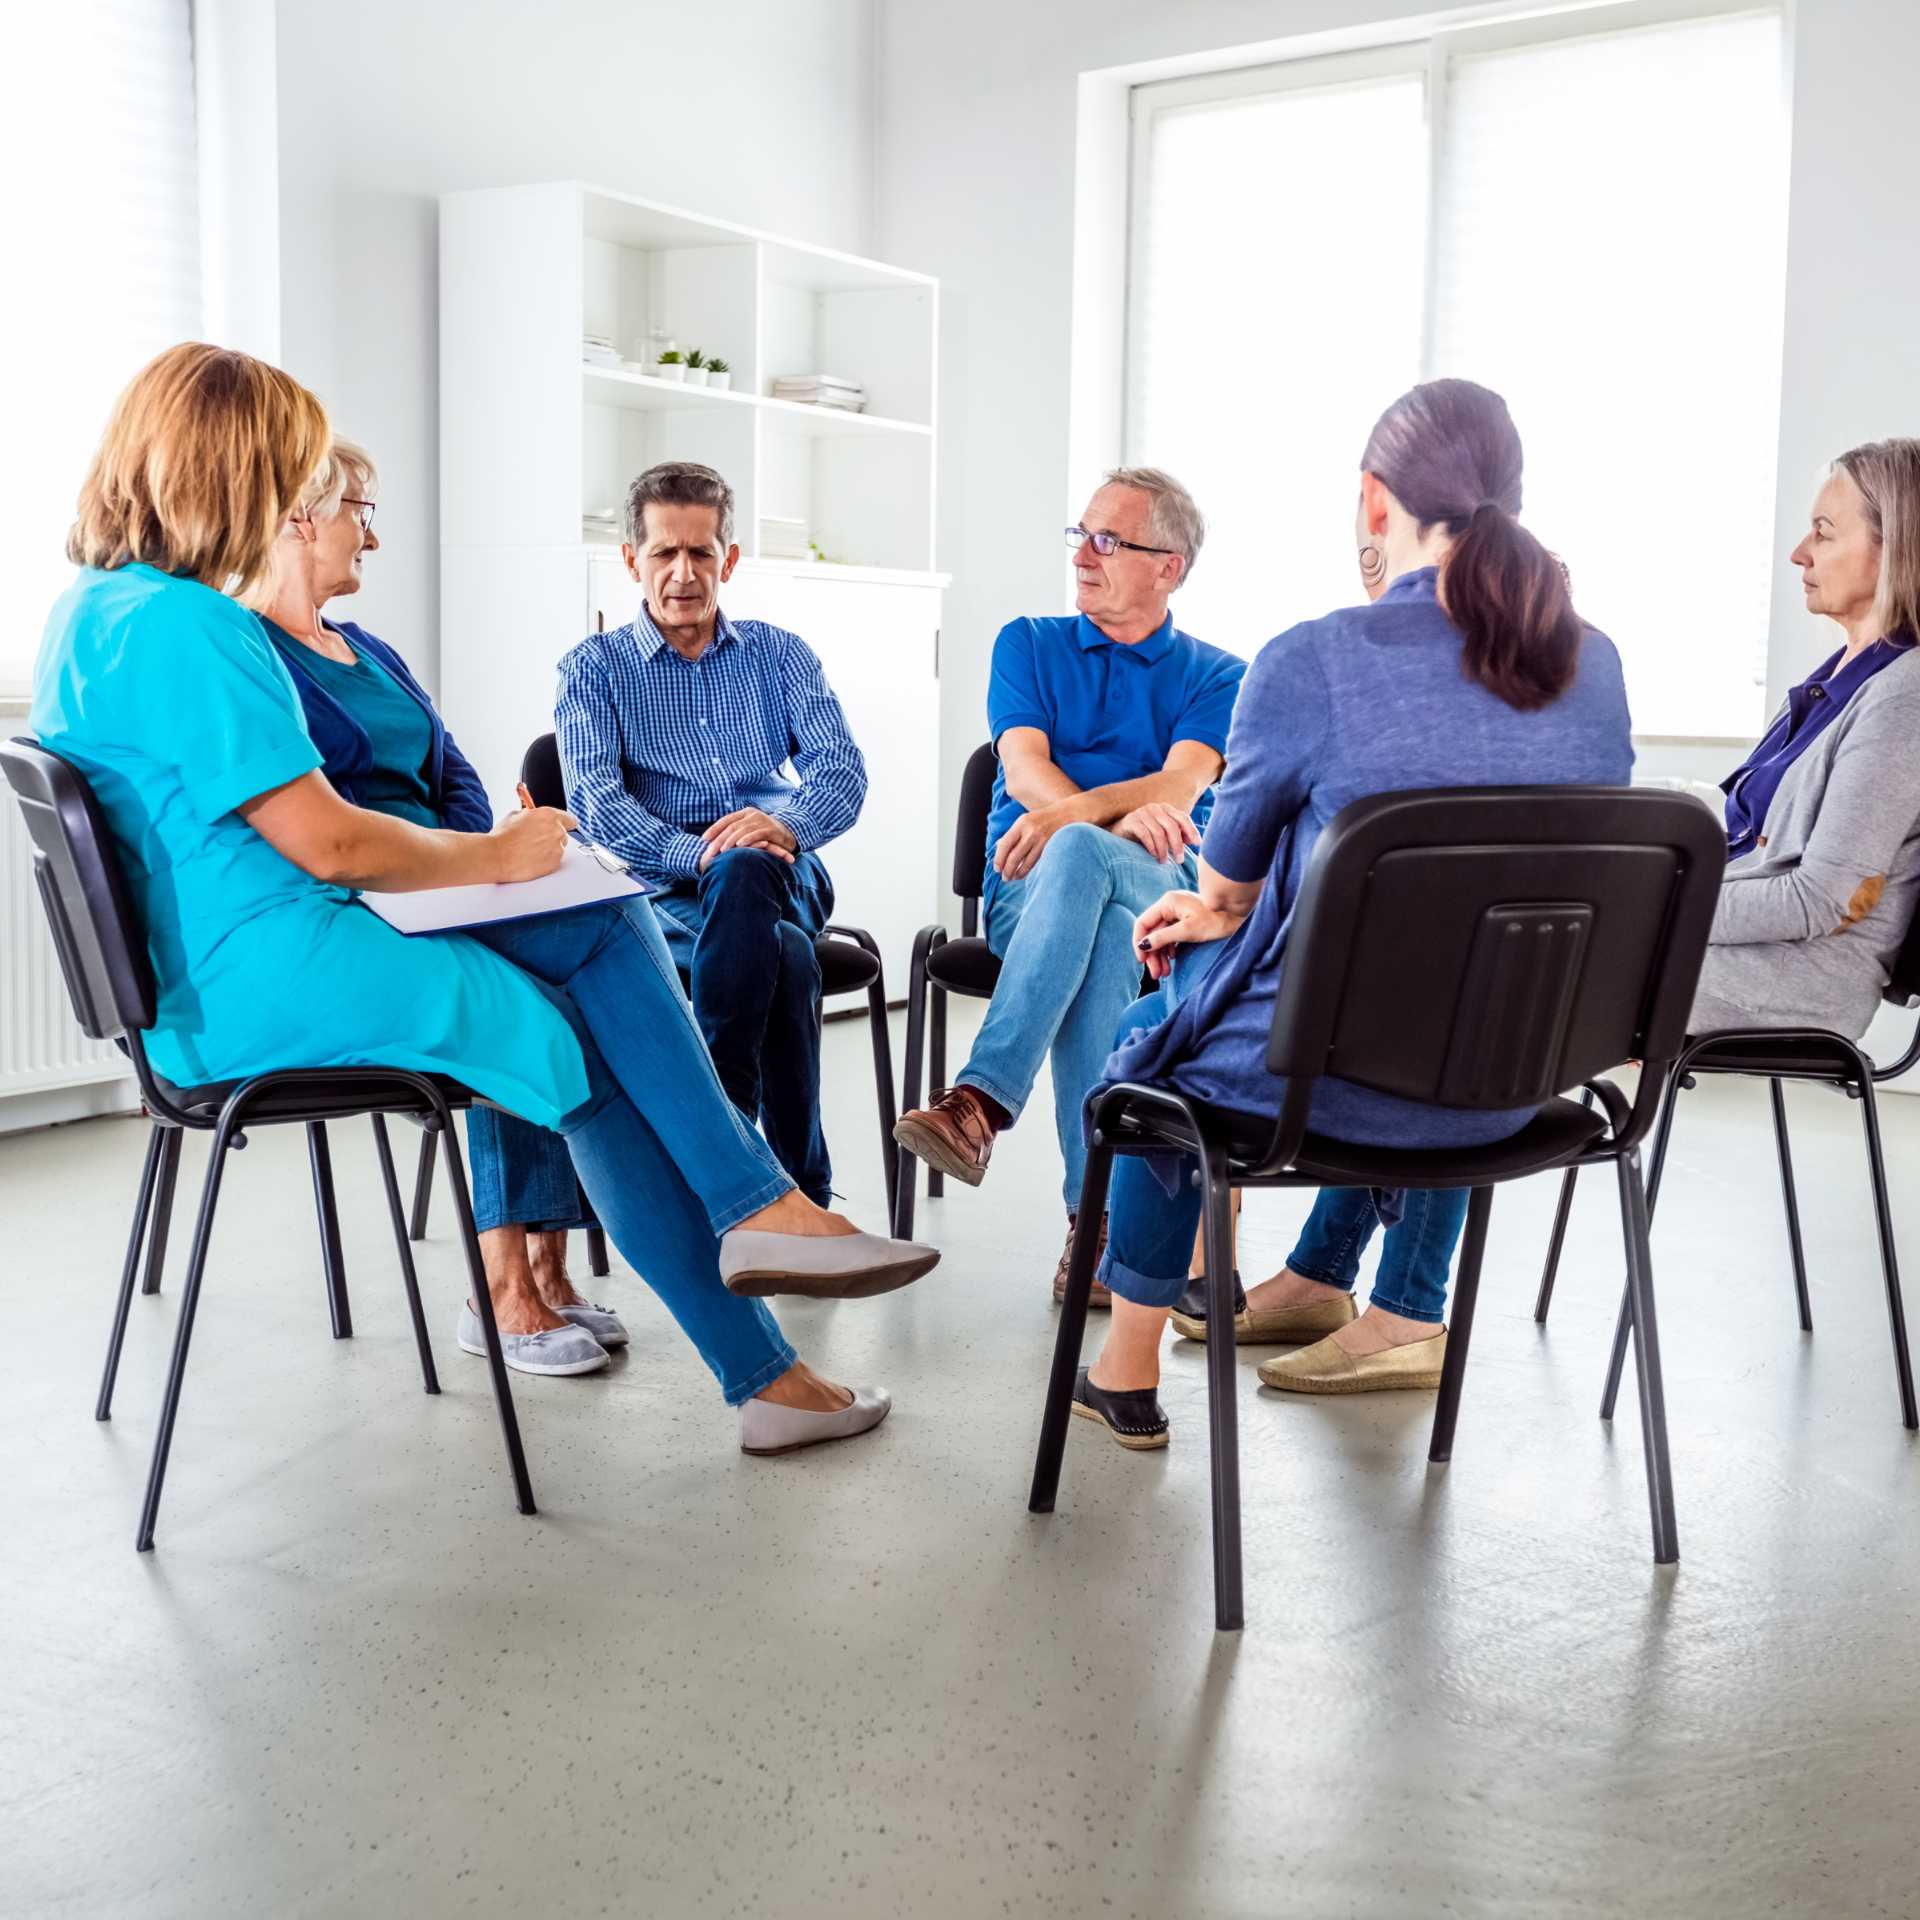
x,y
1064,937
743,934
1150,1241
666,1161
522,1175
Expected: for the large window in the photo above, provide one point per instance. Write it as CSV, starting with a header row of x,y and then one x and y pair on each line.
x,y
97,147
1588,216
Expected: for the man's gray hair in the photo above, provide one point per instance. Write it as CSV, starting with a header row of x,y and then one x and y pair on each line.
x,y
678,483
1175,520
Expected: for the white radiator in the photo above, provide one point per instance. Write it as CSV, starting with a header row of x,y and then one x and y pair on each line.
x,y
41,1045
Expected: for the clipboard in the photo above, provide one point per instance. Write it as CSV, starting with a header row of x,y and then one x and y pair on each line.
x,y
586,876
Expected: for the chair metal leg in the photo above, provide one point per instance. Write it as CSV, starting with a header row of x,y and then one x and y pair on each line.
x,y
183,1334
597,1262
1557,1239
332,1259
1636,1222
483,1306
937,1048
423,1184
162,1216
142,1208
1792,1200
1623,1322
1889,1262
428,1376
1544,1299
906,1169
882,1038
1073,1326
1466,1294
1223,1413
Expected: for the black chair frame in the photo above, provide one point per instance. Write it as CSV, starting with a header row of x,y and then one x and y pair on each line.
x,y
1538,976
104,960
1822,1058
942,966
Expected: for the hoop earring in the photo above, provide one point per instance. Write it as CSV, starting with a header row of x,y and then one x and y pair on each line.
x,y
1373,565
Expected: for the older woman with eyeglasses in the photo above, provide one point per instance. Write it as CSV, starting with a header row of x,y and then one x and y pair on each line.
x,y
215,480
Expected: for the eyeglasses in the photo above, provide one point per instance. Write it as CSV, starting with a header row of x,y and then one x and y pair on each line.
x,y
364,516
1104,543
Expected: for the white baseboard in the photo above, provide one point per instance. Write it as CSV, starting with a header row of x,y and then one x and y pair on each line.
x,y
55,1106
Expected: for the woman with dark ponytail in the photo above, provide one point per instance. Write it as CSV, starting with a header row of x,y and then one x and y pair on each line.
x,y
1467,667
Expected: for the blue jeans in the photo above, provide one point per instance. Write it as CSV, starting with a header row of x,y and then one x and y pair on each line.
x,y
743,934
663,1156
1064,936
522,1175
1150,1231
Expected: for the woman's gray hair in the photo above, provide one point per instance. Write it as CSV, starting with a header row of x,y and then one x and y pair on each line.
x,y
1887,472
1171,513
347,469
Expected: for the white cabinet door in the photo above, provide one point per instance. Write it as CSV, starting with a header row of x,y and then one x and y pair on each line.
x,y
877,642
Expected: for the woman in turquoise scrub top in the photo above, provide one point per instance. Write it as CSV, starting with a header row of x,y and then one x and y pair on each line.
x,y
243,863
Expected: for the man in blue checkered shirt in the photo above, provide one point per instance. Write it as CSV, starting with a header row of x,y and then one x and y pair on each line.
x,y
712,756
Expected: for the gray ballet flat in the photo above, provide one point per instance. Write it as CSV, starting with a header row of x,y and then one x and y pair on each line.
x,y
766,1428
602,1322
558,1350
832,1267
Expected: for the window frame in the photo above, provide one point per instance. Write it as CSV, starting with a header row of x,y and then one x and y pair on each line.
x,y
1430,54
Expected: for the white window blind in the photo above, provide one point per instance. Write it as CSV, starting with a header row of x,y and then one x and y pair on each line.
x,y
1602,241
103,257
1268,293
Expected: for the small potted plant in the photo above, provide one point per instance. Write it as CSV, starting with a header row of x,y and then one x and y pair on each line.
x,y
672,365
719,373
696,367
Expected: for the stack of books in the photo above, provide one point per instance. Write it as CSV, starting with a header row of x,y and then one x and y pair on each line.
x,y
784,539
822,390
598,350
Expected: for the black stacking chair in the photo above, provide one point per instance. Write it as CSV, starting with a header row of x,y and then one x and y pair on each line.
x,y
1477,949
942,966
849,963
1777,1055
103,956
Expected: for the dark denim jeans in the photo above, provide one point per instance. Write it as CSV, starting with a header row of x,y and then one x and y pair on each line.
x,y
666,1161
743,934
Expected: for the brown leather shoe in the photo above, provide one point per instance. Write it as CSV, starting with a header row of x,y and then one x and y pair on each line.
x,y
1099,1297
955,1134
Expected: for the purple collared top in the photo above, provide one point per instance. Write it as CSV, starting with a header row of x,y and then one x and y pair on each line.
x,y
1811,708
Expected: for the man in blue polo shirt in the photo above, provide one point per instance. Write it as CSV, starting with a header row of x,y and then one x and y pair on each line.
x,y
1112,728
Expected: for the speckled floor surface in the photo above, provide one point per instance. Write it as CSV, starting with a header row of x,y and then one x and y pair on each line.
x,y
352,1681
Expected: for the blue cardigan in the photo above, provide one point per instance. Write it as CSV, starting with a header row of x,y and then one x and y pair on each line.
x,y
456,790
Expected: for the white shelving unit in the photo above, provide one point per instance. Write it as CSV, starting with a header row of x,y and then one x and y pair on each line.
x,y
536,443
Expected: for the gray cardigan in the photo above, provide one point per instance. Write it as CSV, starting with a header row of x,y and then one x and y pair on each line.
x,y
1810,920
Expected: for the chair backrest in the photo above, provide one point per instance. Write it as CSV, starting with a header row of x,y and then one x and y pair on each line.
x,y
970,823
1492,947
103,954
1903,981
540,772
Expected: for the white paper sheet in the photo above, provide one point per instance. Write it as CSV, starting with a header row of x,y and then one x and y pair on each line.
x,y
579,881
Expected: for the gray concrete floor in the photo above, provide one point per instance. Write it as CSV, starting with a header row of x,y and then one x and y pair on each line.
x,y
351,1680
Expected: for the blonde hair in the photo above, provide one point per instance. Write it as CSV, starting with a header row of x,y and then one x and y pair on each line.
x,y
348,465
204,455
1887,472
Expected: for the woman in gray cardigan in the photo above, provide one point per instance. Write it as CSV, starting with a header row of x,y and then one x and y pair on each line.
x,y
1823,819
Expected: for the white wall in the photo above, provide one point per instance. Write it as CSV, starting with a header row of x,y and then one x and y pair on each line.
x,y
977,161
754,110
